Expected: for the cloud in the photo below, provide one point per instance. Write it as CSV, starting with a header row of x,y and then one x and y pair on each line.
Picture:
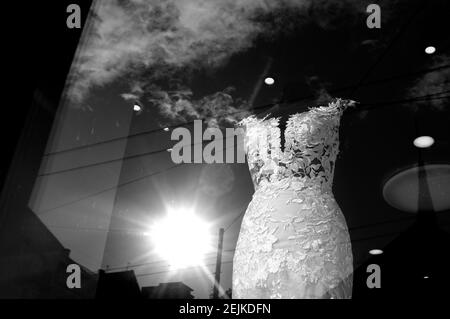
x,y
149,43
131,35
217,110
319,88
129,96
433,84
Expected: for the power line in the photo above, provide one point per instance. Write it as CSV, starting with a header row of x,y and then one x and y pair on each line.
x,y
121,230
236,219
422,98
166,271
128,231
144,233
391,44
429,97
114,187
96,229
364,106
394,77
150,263
109,189
128,157
402,219
116,139
226,262
223,262
265,106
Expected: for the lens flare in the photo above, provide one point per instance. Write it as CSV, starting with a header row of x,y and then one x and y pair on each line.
x,y
181,238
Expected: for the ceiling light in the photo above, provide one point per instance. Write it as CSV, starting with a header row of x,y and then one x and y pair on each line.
x,y
136,107
166,129
430,50
375,252
269,81
402,189
423,141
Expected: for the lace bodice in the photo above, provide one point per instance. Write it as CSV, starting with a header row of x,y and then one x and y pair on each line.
x,y
310,150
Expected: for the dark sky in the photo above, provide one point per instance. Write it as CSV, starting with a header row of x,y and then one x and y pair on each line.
x,y
312,51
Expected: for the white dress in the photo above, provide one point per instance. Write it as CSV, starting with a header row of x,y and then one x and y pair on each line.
x,y
294,241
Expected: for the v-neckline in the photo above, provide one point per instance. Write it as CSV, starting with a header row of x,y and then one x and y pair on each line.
x,y
282,133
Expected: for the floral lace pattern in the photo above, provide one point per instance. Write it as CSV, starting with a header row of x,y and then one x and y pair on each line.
x,y
294,241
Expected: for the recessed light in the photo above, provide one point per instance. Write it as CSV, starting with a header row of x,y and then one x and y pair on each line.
x,y
269,81
423,141
136,107
401,190
375,252
430,50
166,129
426,277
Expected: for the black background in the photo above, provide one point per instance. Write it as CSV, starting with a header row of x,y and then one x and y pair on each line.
x,y
39,50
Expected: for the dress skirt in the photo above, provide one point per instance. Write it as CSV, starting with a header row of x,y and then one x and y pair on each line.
x,y
293,243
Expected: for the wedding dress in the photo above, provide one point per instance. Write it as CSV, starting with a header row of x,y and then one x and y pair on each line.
x,y
294,241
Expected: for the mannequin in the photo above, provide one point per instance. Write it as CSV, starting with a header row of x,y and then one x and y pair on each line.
x,y
294,241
